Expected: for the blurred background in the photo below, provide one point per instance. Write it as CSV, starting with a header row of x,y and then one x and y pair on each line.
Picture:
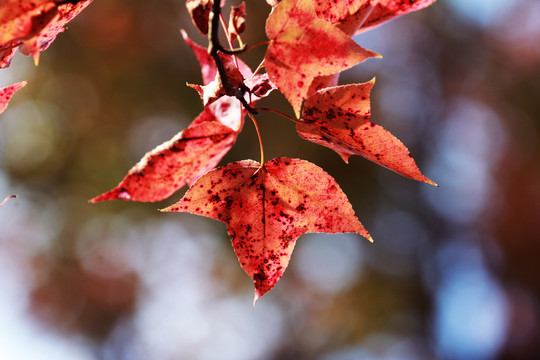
x,y
453,273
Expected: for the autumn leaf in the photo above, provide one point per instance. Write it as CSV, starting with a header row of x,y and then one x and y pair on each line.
x,y
339,118
303,47
208,67
7,55
260,86
33,25
199,11
355,16
7,92
181,160
267,208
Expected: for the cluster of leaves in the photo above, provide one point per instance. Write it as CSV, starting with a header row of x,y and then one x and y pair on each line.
x,y
266,206
31,26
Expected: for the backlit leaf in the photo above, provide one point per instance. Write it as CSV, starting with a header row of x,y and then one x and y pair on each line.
x,y
176,162
303,47
267,208
339,118
199,10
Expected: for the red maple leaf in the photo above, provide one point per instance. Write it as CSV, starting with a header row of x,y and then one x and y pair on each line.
x,y
339,118
7,92
266,208
181,160
33,25
303,47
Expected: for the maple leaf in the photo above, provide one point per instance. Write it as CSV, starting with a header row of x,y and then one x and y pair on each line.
x,y
181,160
339,118
7,92
303,46
266,208
355,16
33,25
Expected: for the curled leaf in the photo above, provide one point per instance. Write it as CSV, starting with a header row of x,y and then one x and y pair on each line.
x,y
237,21
260,85
215,89
266,208
199,10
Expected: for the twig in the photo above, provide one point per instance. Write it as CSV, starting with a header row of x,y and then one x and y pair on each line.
x,y
214,47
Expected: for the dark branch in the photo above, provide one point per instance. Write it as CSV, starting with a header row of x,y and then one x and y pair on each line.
x,y
214,47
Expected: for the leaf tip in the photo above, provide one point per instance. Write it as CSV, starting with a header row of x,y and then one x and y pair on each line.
x,y
345,157
35,56
430,182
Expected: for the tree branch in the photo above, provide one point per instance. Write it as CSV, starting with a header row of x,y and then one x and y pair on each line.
x,y
214,47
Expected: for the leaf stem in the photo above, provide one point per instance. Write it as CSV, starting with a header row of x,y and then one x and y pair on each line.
x,y
279,113
7,199
258,44
371,7
258,68
224,26
259,135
